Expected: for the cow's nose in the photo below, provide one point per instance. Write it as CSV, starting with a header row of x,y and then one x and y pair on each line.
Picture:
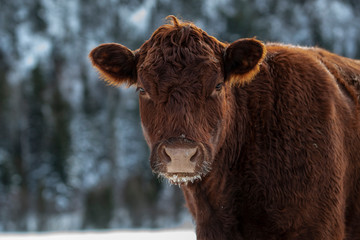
x,y
182,160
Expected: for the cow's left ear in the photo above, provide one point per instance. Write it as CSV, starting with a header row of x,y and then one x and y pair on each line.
x,y
242,60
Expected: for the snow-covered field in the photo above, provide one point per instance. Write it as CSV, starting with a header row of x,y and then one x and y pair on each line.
x,y
104,235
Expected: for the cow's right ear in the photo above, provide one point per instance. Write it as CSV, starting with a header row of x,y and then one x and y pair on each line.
x,y
115,63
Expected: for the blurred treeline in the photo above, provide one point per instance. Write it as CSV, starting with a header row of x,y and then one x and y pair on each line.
x,y
72,154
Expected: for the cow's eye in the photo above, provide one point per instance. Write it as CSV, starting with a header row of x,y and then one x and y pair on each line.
x,y
141,90
219,86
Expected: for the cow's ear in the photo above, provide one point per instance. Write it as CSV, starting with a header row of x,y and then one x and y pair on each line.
x,y
115,63
242,60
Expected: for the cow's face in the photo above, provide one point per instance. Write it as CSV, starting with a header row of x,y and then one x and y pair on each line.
x,y
184,79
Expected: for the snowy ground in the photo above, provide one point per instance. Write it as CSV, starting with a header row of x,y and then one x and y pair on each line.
x,y
104,235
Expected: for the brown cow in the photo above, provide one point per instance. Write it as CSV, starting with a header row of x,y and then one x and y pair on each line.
x,y
263,139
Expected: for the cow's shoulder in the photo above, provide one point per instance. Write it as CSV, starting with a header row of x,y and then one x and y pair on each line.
x,y
346,71
308,63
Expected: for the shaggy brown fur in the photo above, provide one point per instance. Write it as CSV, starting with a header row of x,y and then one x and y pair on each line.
x,y
276,130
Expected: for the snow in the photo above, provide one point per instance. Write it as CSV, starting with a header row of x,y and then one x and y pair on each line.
x,y
104,235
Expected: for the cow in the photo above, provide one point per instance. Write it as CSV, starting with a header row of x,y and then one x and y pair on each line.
x,y
263,139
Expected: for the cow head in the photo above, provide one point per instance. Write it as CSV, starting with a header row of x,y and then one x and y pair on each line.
x,y
184,79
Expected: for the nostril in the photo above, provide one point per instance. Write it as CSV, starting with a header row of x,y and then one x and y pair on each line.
x,y
163,154
195,156
166,156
